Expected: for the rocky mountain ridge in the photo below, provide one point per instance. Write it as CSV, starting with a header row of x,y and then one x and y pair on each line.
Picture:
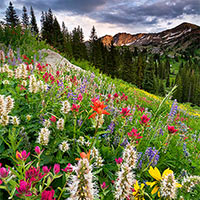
x,y
182,36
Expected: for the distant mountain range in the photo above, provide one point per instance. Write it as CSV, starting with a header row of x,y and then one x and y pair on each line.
x,y
183,37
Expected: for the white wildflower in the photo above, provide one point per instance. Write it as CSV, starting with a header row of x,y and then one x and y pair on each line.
x,y
4,120
81,140
2,105
47,123
65,107
15,121
169,186
33,87
40,85
2,56
43,137
10,73
60,124
6,82
96,156
24,83
189,182
130,155
82,185
9,104
64,146
125,180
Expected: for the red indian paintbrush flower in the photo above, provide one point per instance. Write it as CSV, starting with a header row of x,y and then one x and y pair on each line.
x,y
22,156
171,129
24,189
125,112
98,107
144,119
48,195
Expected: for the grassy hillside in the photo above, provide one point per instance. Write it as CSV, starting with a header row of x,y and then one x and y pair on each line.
x,y
106,135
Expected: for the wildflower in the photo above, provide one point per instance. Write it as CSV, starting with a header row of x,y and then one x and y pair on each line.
x,y
33,86
125,179
66,107
189,182
172,111
84,155
53,118
98,107
45,169
43,137
47,123
56,168
15,121
135,135
104,186
144,120
69,168
138,192
48,195
33,174
130,155
75,107
152,155
2,105
171,129
60,124
6,82
4,120
96,156
169,186
155,173
28,117
64,146
24,83
115,95
82,185
119,160
80,97
37,150
9,104
24,189
22,155
4,172
125,112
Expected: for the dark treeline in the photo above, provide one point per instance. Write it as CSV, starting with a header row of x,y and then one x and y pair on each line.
x,y
152,73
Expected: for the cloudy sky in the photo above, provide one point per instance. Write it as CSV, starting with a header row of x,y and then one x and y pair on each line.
x,y
114,16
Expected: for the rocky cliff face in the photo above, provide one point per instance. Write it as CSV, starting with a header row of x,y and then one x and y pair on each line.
x,y
181,36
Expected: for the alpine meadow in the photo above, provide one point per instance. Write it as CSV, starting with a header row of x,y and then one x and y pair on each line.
x,y
110,117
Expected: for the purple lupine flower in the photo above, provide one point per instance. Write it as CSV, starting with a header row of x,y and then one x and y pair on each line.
x,y
111,127
80,121
152,155
186,153
173,111
124,143
161,131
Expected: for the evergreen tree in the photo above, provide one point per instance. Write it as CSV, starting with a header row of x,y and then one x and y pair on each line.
x,y
34,28
11,16
148,80
58,39
25,18
161,89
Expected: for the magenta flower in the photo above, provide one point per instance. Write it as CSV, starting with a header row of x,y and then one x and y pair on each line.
x,y
125,112
3,172
48,195
22,156
24,189
171,129
37,150
53,118
144,119
46,170
80,97
75,107
69,168
119,160
56,168
104,186
33,174
135,135
1,181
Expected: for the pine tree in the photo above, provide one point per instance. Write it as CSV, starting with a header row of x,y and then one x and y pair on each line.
x,y
25,18
58,39
11,16
34,28
161,89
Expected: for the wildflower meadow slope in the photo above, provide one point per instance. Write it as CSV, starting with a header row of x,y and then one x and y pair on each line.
x,y
68,134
